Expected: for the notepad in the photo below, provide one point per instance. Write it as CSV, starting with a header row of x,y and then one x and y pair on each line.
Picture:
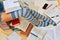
x,y
14,36
11,5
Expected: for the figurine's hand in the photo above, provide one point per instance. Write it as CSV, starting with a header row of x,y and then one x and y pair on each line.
x,y
6,17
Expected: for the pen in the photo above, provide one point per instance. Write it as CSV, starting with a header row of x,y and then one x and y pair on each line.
x,y
34,34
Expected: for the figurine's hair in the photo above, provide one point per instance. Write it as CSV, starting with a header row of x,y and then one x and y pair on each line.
x,y
1,7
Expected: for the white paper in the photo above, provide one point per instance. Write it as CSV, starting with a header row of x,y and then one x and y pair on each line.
x,y
14,36
57,30
39,32
53,13
11,5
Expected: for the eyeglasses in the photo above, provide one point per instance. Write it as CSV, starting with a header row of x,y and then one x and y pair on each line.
x,y
55,16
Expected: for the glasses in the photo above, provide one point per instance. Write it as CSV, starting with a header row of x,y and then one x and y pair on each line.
x,y
55,16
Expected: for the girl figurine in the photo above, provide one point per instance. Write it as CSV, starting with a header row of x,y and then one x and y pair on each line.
x,y
29,14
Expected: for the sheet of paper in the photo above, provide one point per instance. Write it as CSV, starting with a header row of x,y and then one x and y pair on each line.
x,y
11,5
52,33
39,32
14,36
57,30
54,14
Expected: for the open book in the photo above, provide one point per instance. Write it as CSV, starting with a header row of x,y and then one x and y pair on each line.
x,y
23,24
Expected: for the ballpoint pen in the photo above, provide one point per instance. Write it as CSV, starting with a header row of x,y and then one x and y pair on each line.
x,y
34,35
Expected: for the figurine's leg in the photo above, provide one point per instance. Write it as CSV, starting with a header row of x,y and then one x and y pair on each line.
x,y
38,15
30,18
25,12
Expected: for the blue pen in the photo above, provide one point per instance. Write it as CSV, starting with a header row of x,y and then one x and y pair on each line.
x,y
34,34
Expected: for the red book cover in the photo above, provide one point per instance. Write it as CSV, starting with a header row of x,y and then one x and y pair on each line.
x,y
15,21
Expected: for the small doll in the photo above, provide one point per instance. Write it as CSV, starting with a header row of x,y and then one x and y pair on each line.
x,y
31,16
